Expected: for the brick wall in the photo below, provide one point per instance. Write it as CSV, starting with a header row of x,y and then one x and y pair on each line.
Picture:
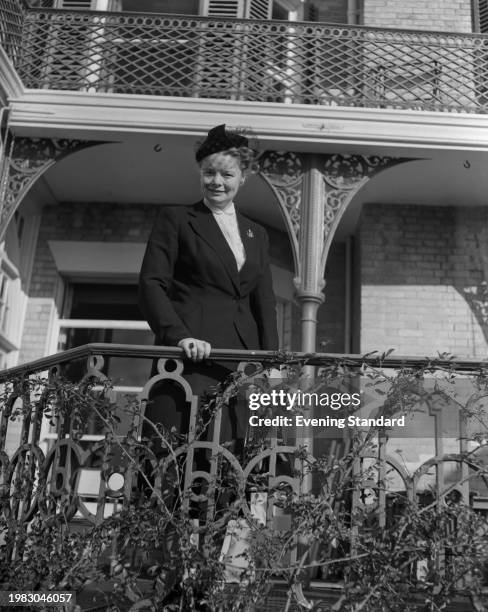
x,y
449,15
423,280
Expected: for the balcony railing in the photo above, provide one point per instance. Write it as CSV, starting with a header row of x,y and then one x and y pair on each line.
x,y
81,450
252,60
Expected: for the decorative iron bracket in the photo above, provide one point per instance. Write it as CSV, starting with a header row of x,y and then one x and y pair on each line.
x,y
284,173
301,198
344,176
25,160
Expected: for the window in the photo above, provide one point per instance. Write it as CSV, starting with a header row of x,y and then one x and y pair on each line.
x,y
97,5
73,4
9,305
252,9
480,16
107,313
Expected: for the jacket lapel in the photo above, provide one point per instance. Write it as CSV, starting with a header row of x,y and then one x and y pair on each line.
x,y
204,224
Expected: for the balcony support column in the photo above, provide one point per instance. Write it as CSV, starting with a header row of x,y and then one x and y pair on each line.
x,y
329,184
313,192
310,283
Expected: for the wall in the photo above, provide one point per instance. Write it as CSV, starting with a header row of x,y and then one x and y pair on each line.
x,y
129,223
423,280
448,15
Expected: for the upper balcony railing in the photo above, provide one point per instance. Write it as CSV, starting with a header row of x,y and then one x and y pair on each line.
x,y
252,60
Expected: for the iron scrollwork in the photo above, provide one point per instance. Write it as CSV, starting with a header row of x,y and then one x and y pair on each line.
x,y
343,176
27,159
284,171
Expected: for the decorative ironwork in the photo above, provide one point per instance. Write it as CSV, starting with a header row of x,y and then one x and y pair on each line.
x,y
343,176
257,60
53,473
27,159
69,458
284,171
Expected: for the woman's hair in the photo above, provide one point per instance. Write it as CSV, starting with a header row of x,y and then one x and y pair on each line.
x,y
246,157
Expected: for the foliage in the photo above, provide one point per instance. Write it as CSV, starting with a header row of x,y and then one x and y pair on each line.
x,y
160,545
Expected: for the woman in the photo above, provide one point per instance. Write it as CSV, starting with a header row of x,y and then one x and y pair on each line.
x,y
205,280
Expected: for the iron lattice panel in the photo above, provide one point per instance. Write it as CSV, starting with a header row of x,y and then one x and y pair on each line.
x,y
11,19
267,61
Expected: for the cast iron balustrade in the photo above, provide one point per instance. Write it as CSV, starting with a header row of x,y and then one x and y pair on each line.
x,y
247,59
70,459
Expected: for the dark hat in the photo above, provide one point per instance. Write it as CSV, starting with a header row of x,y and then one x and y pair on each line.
x,y
219,139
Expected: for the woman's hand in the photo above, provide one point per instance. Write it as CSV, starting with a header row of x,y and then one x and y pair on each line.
x,y
195,349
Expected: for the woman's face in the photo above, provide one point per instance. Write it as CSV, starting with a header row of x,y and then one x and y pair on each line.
x,y
220,179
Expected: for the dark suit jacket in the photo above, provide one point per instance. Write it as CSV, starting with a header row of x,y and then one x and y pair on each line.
x,y
190,287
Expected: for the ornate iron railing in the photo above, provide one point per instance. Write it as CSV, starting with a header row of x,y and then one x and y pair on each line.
x,y
97,362
56,451
265,61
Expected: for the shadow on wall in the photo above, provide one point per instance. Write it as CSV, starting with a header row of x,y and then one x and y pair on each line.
x,y
472,232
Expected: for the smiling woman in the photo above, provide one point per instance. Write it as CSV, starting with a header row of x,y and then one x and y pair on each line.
x,y
205,280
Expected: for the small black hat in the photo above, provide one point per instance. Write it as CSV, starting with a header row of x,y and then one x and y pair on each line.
x,y
219,139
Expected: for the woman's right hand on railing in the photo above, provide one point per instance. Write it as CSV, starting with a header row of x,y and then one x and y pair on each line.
x,y
195,349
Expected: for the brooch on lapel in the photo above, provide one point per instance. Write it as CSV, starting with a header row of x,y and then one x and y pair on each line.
x,y
250,233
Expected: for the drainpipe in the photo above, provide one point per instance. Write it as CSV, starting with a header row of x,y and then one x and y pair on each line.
x,y
352,12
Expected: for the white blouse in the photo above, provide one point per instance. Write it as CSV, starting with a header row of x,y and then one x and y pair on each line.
x,y
227,221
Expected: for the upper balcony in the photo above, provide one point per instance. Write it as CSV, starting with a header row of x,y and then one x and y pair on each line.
x,y
246,60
